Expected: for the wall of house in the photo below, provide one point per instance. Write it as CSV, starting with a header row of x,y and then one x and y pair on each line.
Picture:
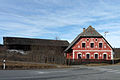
x,y
78,49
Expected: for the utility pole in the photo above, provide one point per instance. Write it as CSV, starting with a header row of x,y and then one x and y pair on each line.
x,y
105,33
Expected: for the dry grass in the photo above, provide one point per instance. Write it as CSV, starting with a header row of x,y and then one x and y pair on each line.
x,y
102,64
10,65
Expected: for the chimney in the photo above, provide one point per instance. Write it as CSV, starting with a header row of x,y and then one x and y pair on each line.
x,y
83,29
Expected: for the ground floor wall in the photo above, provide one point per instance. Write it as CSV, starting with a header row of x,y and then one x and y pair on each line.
x,y
90,54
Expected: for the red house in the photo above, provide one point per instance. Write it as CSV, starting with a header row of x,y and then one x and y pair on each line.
x,y
89,45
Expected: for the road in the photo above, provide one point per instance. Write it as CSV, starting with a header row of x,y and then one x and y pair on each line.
x,y
81,73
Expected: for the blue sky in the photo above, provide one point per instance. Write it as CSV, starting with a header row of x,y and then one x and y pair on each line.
x,y
47,19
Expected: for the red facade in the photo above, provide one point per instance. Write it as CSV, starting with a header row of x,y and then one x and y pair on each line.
x,y
95,48
89,45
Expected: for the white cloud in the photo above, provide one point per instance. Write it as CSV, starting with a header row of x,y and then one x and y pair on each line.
x,y
42,17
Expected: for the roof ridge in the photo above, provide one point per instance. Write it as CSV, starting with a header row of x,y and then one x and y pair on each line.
x,y
33,38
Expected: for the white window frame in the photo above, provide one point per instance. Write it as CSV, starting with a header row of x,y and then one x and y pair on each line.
x,y
97,54
93,43
79,53
86,56
99,43
83,42
106,56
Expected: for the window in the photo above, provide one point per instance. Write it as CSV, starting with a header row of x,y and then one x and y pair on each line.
x,y
83,45
104,56
96,56
91,45
95,39
87,39
79,56
100,45
88,56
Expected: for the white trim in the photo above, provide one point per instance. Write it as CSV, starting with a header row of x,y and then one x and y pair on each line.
x,y
96,47
86,55
92,41
97,54
79,53
106,56
94,50
83,42
105,46
112,54
78,46
87,46
106,43
73,54
101,41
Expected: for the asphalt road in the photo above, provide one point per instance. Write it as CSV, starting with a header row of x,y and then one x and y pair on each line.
x,y
81,73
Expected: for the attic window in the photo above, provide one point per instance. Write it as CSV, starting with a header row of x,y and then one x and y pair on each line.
x,y
83,45
100,45
91,45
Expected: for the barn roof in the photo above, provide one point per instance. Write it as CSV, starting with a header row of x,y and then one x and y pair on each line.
x,y
32,41
89,32
117,50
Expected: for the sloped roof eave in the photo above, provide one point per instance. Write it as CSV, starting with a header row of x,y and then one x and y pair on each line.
x,y
69,47
89,32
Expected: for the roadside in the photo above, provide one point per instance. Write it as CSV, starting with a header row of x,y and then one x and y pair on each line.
x,y
17,65
93,65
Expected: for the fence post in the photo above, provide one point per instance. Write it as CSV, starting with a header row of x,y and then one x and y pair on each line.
x,y
112,61
4,64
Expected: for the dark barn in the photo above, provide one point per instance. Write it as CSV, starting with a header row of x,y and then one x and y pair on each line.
x,y
117,53
2,51
38,50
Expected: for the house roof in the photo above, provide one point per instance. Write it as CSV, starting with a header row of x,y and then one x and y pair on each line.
x,y
32,41
89,32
